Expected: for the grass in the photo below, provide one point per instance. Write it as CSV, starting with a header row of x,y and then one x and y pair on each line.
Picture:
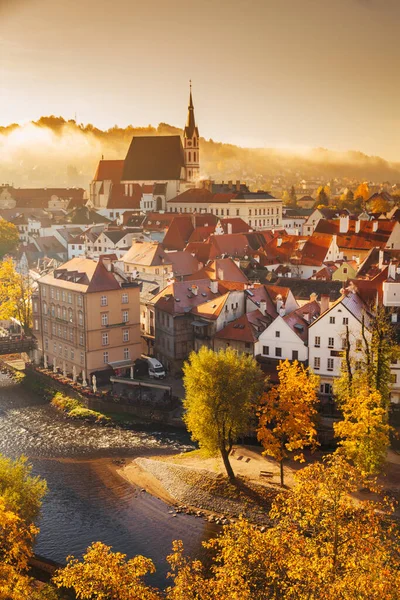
x,y
76,410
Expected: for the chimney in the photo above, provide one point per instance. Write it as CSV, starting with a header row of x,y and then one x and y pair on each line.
x,y
279,242
392,270
263,307
230,184
195,290
313,297
229,227
324,303
381,258
357,226
374,226
282,311
344,224
279,303
214,287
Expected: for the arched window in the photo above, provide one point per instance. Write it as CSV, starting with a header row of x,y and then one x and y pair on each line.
x,y
80,318
53,311
64,313
70,315
45,308
190,157
194,156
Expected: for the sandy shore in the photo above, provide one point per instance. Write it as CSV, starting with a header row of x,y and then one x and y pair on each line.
x,y
141,478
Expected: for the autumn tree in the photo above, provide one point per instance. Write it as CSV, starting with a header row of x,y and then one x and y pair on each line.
x,y
362,191
9,237
322,544
15,294
107,575
380,205
322,196
20,501
222,391
364,431
287,413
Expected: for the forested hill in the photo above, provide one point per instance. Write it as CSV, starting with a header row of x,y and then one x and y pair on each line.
x,y
53,151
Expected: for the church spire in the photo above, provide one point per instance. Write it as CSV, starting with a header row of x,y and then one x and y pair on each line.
x,y
190,123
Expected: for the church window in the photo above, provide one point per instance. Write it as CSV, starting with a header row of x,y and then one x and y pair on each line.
x,y
194,141
194,156
190,157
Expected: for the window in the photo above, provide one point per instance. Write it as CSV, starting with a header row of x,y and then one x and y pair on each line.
x,y
332,320
278,351
330,364
59,331
52,293
125,335
359,345
63,296
317,362
44,308
69,298
393,377
44,291
53,328
295,355
58,312
60,350
80,318
65,352
45,325
81,339
317,341
266,350
71,335
126,353
80,301
125,298
36,324
103,301
70,315
237,212
345,321
125,316
277,334
72,355
104,319
55,347
104,339
46,344
58,294
331,342
64,313
82,358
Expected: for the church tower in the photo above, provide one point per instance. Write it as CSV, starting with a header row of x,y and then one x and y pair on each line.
x,y
191,144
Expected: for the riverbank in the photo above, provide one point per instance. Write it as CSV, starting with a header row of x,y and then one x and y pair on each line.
x,y
195,485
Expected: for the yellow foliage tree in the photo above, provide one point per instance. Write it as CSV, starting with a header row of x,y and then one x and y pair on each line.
x,y
107,575
15,294
380,205
322,545
362,191
9,237
222,392
364,430
287,413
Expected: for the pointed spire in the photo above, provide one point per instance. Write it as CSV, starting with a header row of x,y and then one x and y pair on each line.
x,y
190,123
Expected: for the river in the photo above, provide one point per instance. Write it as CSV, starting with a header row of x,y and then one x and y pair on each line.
x,y
87,500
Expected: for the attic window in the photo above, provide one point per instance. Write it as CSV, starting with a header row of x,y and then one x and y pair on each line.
x,y
204,294
299,327
177,300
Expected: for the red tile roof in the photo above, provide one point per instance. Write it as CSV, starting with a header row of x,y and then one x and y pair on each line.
x,y
178,299
246,328
118,199
109,170
222,269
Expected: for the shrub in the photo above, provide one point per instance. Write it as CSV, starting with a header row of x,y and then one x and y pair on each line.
x,y
80,412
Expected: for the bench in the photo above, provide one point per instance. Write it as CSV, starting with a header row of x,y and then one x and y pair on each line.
x,y
266,474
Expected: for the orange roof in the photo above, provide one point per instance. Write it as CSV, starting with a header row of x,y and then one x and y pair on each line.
x,y
109,170
178,298
211,309
246,328
222,269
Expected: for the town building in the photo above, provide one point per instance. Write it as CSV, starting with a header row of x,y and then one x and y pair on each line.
x,y
86,318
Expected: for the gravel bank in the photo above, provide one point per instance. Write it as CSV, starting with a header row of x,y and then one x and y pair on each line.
x,y
202,489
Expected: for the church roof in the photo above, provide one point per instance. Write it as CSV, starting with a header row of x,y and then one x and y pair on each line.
x,y
191,128
152,158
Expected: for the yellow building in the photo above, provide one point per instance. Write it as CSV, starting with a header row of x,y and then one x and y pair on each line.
x,y
86,318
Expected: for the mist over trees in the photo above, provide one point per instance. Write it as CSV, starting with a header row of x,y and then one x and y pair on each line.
x,y
54,151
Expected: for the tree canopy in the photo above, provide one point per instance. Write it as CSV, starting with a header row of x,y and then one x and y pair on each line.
x,y
9,237
15,294
222,391
287,413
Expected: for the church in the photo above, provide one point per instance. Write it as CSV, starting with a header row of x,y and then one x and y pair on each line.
x,y
155,170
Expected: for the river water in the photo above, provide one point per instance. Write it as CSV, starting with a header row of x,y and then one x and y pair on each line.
x,y
87,500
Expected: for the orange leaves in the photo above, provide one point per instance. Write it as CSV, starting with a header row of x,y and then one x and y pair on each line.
x,y
287,412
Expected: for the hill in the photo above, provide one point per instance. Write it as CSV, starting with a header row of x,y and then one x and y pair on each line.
x,y
53,151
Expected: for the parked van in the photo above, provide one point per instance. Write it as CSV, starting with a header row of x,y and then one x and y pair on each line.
x,y
156,369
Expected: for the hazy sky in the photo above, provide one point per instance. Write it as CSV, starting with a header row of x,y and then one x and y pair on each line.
x,y
286,73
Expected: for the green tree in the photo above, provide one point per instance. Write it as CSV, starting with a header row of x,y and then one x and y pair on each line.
x,y
364,431
22,492
15,295
9,237
222,391
322,196
293,196
287,413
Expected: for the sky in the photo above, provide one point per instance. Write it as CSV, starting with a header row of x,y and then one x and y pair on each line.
x,y
276,73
